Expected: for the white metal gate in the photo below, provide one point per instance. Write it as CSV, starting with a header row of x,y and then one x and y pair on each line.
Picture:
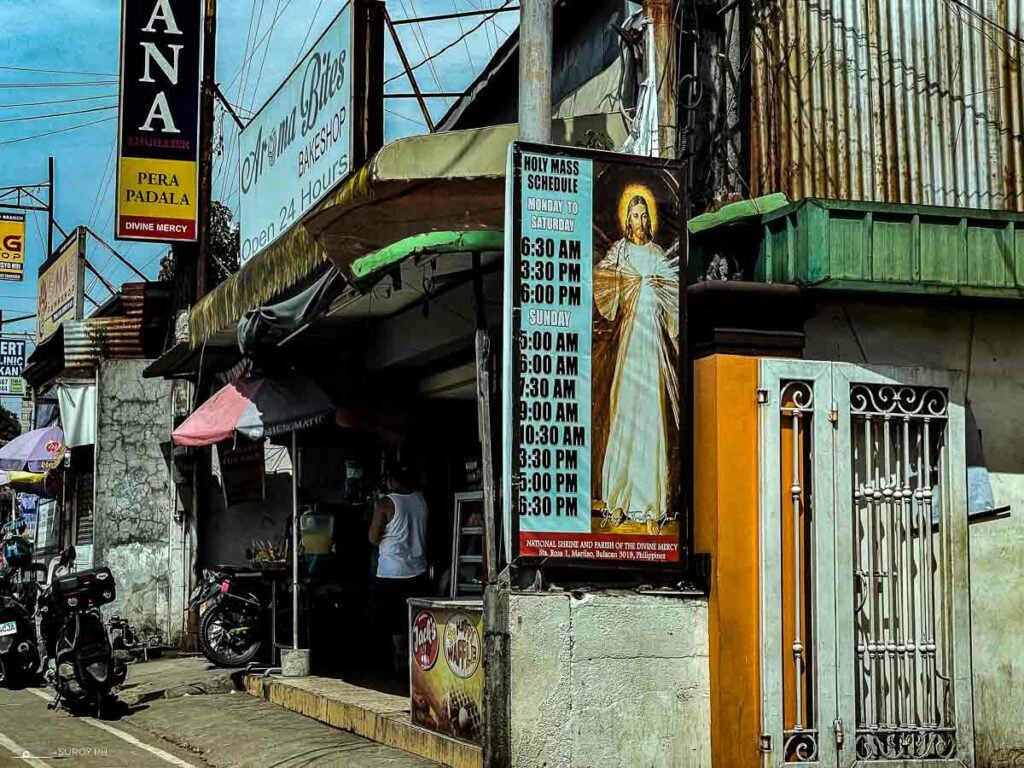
x,y
864,593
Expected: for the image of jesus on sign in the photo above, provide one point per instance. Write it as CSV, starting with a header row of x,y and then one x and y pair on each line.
x,y
636,292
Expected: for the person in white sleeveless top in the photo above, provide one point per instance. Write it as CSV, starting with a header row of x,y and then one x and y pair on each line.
x,y
399,530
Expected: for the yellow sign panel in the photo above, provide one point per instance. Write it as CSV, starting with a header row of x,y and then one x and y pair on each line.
x,y
157,199
12,246
62,287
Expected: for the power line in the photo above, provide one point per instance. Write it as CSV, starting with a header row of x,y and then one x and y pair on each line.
x,y
80,84
57,71
448,47
305,39
47,102
25,118
59,130
986,20
418,123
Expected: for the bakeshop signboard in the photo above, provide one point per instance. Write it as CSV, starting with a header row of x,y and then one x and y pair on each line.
x,y
592,328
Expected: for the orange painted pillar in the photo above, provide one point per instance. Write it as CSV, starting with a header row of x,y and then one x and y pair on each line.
x,y
726,526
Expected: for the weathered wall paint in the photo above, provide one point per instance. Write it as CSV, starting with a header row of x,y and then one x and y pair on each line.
x,y
135,523
726,524
987,345
609,679
889,100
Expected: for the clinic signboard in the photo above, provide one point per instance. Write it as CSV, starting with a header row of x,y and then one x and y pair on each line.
x,y
12,363
158,120
299,145
12,246
61,289
592,332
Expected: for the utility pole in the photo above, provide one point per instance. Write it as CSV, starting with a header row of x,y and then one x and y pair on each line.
x,y
209,91
535,23
49,212
661,13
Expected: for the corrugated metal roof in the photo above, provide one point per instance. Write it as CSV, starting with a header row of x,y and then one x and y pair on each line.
x,y
126,335
889,100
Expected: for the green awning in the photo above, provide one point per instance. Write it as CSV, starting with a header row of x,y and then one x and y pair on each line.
x,y
742,211
367,267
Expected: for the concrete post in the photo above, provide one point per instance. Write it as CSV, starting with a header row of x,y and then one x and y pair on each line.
x,y
535,22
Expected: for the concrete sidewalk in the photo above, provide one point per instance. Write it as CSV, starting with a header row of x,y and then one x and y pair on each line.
x,y
239,731
382,717
169,678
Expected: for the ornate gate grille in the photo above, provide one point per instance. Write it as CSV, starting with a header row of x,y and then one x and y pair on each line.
x,y
865,650
902,626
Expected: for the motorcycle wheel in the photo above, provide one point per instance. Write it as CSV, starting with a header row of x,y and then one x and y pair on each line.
x,y
214,640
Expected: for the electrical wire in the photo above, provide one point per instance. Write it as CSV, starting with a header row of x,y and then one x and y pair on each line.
x,y
25,118
80,84
59,130
421,42
57,71
448,47
305,39
418,123
99,189
986,20
58,101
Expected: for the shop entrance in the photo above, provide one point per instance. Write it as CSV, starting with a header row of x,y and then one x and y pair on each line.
x,y
864,588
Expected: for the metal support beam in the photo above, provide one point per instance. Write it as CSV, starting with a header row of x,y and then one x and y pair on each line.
x,y
535,23
408,71
460,15
117,255
49,213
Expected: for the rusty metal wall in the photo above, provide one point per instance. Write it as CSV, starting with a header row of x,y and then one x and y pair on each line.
x,y
903,101
88,341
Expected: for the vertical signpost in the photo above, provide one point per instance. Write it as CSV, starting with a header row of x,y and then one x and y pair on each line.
x,y
158,120
61,288
12,246
591,396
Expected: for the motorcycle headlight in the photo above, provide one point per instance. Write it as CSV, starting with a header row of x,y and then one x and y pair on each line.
x,y
72,601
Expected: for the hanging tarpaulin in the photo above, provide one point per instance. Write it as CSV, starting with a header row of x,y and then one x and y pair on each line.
x,y
593,458
256,407
77,413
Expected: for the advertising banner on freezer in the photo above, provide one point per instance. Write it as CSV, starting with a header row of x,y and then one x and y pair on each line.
x,y
158,120
446,669
298,146
592,392
12,246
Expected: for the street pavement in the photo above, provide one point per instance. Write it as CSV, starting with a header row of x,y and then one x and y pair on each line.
x,y
224,730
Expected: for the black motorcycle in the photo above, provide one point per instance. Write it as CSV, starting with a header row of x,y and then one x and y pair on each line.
x,y
19,658
232,605
81,664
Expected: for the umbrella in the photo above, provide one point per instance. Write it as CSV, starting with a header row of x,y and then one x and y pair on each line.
x,y
37,451
257,408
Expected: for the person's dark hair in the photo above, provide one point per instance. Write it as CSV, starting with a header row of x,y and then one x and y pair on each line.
x,y
401,473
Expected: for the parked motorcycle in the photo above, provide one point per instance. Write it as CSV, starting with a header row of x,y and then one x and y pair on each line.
x,y
232,605
19,658
81,664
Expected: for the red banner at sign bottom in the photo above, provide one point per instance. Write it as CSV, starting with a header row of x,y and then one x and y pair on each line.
x,y
599,546
151,228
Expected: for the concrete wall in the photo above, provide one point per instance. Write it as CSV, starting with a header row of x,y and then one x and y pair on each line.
x,y
136,531
609,679
988,346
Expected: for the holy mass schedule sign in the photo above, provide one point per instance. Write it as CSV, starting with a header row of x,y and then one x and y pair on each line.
x,y
591,395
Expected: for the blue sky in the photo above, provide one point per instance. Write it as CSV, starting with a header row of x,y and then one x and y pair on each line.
x,y
82,36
